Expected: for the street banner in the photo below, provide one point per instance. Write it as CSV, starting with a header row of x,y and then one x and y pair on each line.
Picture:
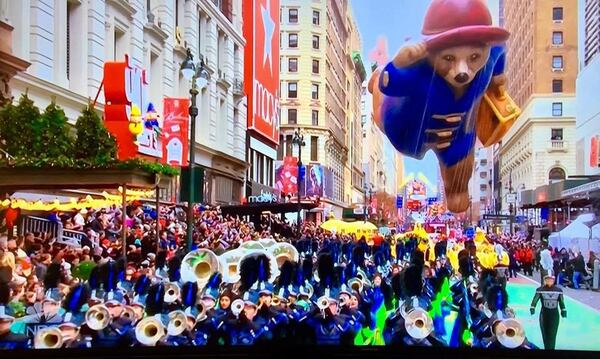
x,y
175,131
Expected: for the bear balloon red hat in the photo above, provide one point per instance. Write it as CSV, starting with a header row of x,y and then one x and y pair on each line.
x,y
450,23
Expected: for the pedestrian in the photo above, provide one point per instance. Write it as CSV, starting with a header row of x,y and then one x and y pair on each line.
x,y
579,272
546,263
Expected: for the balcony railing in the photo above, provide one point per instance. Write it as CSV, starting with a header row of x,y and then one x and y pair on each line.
x,y
558,146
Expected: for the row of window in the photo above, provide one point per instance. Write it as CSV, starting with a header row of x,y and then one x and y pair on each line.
x,y
293,17
293,65
292,91
293,117
289,147
293,41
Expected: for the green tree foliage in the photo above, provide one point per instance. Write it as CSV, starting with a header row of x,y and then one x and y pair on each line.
x,y
20,128
55,140
94,146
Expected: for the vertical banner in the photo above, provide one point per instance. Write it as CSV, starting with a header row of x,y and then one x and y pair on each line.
x,y
175,131
594,151
261,67
286,176
314,181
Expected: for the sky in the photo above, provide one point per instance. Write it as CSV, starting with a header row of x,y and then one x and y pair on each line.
x,y
397,21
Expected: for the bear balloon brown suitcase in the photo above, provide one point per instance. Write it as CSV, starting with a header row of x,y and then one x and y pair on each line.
x,y
497,113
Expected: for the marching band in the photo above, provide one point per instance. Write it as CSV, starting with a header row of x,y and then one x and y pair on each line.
x,y
333,292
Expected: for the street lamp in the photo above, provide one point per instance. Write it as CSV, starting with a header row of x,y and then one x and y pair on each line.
x,y
199,76
298,140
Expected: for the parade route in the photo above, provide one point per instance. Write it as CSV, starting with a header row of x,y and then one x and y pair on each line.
x,y
579,331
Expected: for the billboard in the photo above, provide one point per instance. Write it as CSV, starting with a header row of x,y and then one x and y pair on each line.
x,y
314,182
261,67
286,176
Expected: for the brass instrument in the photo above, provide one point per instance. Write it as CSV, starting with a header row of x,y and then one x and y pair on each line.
x,y
172,292
129,313
356,284
48,338
150,331
284,252
199,265
237,306
98,317
360,274
202,315
177,323
404,309
309,292
418,323
276,301
267,243
510,333
344,301
252,245
230,262
323,303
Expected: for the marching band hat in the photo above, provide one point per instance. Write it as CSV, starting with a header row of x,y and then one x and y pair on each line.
x,y
52,295
250,299
4,317
550,274
114,297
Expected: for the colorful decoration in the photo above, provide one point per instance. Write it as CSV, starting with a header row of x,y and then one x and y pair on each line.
x,y
151,119
136,126
446,91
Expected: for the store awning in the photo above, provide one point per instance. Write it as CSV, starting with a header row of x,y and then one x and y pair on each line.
x,y
550,195
258,208
583,189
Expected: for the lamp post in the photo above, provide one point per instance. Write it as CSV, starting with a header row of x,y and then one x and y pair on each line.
x,y
298,140
199,76
510,204
369,192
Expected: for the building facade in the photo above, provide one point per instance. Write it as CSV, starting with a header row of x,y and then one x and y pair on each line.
x,y
480,185
318,77
68,42
541,70
588,87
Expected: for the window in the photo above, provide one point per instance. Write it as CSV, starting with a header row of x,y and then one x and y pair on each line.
x,y
293,90
557,62
557,86
557,14
293,16
293,64
557,109
315,42
120,45
292,116
315,66
293,40
315,117
314,148
288,145
315,91
557,38
316,18
557,134
556,175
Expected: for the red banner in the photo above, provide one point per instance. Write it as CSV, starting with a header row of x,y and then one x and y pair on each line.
x,y
175,131
286,176
261,68
594,149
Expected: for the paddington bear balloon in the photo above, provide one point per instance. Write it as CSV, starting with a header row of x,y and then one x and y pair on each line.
x,y
446,91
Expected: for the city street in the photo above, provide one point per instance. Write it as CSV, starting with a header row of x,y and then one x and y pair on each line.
x,y
579,331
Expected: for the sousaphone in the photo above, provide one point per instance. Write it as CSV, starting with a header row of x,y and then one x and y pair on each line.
x,y
48,338
510,333
230,262
267,242
252,245
150,330
418,323
199,265
272,262
284,252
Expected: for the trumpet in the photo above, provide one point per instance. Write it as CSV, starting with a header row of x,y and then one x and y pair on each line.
x,y
344,301
202,315
418,323
356,284
177,323
510,333
48,338
237,306
172,292
129,313
276,301
323,303
98,317
363,277
150,331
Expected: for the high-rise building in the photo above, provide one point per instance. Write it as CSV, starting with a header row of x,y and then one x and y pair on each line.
x,y
319,76
541,70
480,185
588,87
68,42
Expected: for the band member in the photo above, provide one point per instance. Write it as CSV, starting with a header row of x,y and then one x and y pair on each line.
x,y
8,339
552,298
